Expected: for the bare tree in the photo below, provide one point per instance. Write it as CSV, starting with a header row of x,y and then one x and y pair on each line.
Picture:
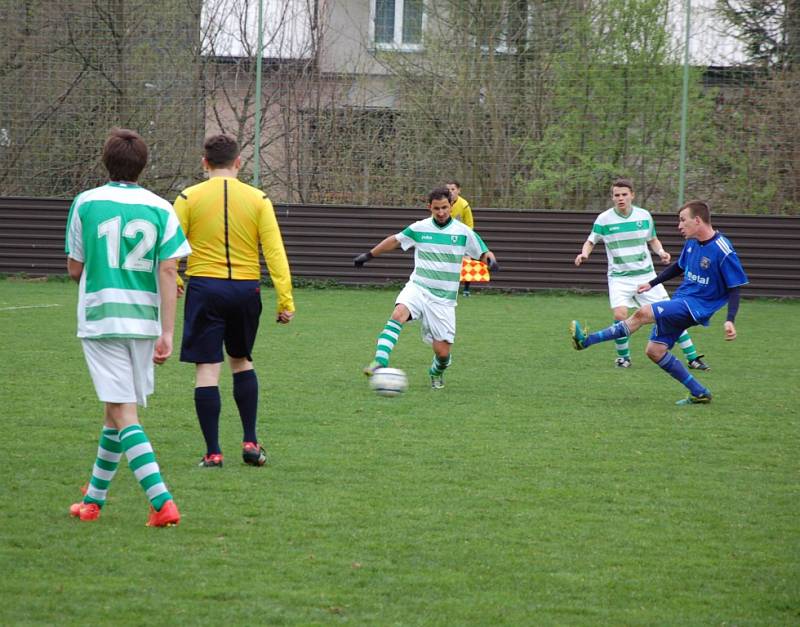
x,y
76,72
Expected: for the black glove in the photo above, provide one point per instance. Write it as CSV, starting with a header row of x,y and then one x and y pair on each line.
x,y
362,259
492,263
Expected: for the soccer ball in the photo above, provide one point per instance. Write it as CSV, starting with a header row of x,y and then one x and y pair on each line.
x,y
388,382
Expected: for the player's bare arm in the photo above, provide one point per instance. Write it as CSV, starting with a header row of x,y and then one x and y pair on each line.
x,y
587,249
75,269
167,279
658,249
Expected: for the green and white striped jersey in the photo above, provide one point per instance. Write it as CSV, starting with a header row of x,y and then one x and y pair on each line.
x,y
626,241
438,251
121,232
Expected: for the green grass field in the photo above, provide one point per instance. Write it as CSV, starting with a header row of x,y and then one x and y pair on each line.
x,y
541,486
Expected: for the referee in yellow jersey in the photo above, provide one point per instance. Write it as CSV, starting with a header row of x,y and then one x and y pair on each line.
x,y
224,221
461,211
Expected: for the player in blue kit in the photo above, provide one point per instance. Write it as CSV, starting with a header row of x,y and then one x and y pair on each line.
x,y
712,276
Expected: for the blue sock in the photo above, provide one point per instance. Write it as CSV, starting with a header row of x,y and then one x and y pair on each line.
x,y
678,371
616,330
245,393
208,404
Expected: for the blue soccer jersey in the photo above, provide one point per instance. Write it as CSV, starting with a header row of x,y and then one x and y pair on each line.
x,y
711,271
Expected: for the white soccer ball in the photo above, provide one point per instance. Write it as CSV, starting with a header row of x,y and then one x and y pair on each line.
x,y
388,381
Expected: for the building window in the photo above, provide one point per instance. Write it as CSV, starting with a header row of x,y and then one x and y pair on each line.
x,y
397,23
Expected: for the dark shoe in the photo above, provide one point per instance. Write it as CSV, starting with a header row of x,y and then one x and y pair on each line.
x,y
623,362
253,454
698,364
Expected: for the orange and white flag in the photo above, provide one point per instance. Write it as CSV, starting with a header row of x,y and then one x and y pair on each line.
x,y
474,271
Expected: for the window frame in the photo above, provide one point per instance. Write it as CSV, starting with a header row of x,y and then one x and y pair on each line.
x,y
397,42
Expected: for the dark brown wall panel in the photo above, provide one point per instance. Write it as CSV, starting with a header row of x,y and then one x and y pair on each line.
x,y
535,249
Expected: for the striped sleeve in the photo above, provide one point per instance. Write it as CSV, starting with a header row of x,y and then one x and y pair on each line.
x,y
173,242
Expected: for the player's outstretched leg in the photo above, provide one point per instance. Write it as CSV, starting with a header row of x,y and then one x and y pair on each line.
x,y
109,452
142,461
436,371
385,345
694,360
698,394
581,340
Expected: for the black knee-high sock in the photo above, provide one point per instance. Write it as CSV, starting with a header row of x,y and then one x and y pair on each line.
x,y
207,404
245,393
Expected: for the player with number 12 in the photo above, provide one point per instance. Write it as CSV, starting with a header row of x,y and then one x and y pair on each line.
x,y
122,247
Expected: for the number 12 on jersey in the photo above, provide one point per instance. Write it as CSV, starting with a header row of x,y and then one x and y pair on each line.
x,y
136,258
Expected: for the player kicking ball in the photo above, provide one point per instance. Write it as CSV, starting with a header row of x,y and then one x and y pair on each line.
x,y
439,242
626,232
712,276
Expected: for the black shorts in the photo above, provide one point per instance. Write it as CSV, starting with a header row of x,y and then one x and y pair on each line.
x,y
217,312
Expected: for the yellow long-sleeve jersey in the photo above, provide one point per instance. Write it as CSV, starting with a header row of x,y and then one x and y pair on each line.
x,y
463,212
224,220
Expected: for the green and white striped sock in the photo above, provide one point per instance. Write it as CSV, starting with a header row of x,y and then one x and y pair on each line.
x,y
109,452
623,347
439,365
687,346
142,461
387,340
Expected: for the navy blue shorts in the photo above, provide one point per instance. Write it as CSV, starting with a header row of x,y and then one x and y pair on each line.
x,y
672,319
217,312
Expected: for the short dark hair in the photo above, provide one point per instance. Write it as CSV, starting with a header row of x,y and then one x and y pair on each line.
x,y
124,154
220,150
437,193
453,182
698,209
621,182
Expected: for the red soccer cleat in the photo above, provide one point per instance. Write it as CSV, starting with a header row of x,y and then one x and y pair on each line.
x,y
211,461
167,516
85,511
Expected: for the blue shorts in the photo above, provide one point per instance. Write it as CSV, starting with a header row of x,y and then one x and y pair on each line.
x,y
217,312
672,319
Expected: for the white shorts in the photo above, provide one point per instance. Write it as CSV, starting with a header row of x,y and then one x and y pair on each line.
x,y
437,320
121,369
622,292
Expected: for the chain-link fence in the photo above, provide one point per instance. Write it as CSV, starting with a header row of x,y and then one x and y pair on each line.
x,y
530,104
